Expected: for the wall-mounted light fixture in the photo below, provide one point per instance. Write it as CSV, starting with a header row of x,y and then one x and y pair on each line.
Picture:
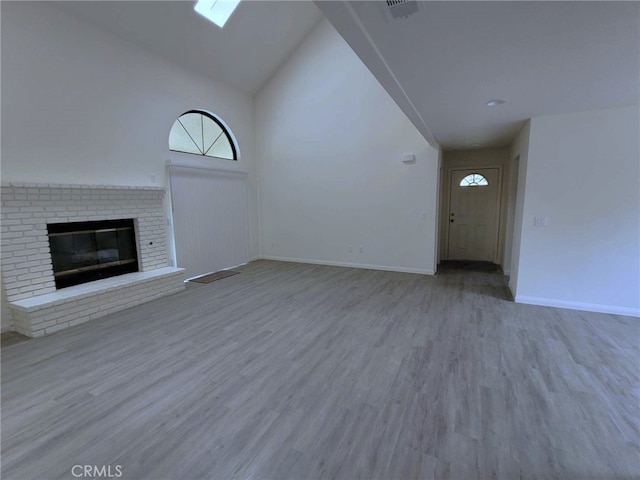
x,y
408,158
495,102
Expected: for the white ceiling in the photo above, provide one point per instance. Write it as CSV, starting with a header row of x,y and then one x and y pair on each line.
x,y
443,64
256,40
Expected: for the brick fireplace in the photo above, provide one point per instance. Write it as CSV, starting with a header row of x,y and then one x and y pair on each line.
x,y
36,306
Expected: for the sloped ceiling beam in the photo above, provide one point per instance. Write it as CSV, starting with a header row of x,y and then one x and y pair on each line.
x,y
345,20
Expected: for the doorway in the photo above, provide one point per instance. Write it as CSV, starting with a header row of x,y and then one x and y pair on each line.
x,y
474,214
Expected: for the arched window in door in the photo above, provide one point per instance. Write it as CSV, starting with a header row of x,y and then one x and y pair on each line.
x,y
200,133
474,180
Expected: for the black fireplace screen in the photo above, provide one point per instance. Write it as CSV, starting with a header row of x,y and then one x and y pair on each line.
x,y
86,251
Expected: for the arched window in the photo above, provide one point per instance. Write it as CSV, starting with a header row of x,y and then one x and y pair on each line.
x,y
474,180
200,133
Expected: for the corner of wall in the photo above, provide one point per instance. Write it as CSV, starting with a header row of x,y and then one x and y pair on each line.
x,y
587,255
5,314
519,148
438,195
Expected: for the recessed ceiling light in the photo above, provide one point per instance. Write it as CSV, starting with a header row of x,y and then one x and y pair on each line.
x,y
476,145
218,11
495,102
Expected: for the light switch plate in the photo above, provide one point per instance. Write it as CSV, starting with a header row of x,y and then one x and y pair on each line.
x,y
540,221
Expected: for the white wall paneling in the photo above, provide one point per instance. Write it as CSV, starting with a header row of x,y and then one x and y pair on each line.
x,y
210,218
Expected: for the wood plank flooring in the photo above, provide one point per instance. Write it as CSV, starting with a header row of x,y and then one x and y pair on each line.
x,y
294,371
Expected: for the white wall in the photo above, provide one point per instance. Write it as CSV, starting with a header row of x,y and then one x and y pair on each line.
x,y
519,150
583,174
5,317
79,105
510,186
330,140
485,157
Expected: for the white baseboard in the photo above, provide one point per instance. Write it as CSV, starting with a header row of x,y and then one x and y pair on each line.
x,y
350,265
588,307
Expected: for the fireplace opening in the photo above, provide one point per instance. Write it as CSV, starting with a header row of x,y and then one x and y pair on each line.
x,y
82,252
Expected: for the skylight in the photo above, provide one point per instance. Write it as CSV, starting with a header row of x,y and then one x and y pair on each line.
x,y
218,11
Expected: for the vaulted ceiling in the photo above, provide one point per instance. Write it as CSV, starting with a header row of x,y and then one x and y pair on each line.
x,y
441,64
256,40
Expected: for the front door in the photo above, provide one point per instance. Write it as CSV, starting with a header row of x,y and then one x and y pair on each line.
x,y
474,206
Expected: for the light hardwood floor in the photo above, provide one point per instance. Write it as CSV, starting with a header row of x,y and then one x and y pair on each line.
x,y
291,371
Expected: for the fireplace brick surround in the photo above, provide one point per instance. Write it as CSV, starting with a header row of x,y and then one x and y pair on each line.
x,y
36,307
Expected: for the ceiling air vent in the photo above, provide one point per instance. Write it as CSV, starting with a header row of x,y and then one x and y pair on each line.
x,y
395,9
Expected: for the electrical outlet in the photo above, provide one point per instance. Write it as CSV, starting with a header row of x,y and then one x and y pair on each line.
x,y
361,249
349,249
